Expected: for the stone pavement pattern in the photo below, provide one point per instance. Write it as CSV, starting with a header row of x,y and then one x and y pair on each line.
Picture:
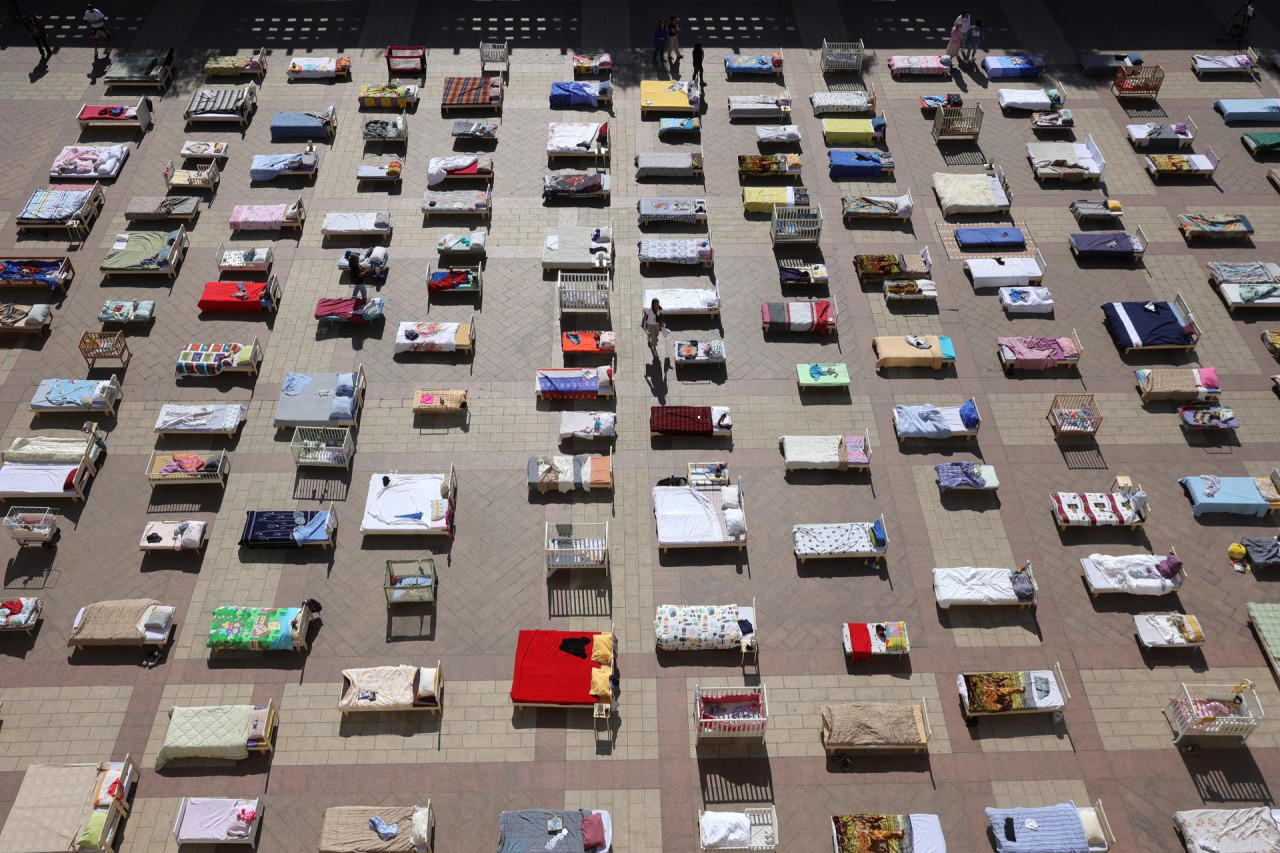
x,y
480,758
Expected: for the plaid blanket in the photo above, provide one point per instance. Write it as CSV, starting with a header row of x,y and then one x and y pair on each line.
x,y
872,833
216,101
466,90
993,692
680,420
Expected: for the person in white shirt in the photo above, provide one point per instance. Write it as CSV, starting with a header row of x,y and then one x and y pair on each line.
x,y
652,323
97,29
964,22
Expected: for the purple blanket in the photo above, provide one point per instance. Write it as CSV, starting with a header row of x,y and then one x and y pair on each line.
x,y
955,475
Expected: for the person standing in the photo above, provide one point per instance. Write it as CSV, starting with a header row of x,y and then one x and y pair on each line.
x,y
673,40
957,38
651,322
964,22
97,29
973,41
35,26
659,42
697,64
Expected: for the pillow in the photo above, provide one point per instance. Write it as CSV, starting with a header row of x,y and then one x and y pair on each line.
x,y
1093,833
93,830
37,316
878,534
345,385
427,683
730,498
444,489
342,408
736,522
109,787
158,620
969,415
593,831
602,648
604,132
70,483
600,682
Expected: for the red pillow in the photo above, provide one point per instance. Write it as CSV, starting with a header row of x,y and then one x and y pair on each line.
x,y
593,831
70,482
604,131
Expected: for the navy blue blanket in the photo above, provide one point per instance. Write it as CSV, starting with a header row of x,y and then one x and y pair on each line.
x,y
984,238
1103,243
1132,325
297,126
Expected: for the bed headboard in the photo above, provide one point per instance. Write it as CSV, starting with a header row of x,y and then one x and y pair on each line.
x,y
1180,304
1212,156
453,484
1192,126
1096,154
927,258
1044,265
1141,237
1062,682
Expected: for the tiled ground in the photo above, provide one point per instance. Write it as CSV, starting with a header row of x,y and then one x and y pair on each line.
x,y
479,757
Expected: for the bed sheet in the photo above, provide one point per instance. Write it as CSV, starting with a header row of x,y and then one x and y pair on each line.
x,y
546,674
1133,326
1093,509
857,163
920,64
36,477
314,405
1106,243
54,205
1003,272
54,394
968,585
408,503
89,161
1249,109
198,418
686,515
1026,300
968,193
840,102
234,296
338,222
665,94
216,819
588,424
1012,66
1131,573
830,539
572,137
1245,294
258,217
1234,496
1229,830
698,627
812,451
675,251
454,201
1025,99
219,731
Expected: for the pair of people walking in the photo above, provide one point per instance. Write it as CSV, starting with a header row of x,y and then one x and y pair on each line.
x,y
966,37
666,44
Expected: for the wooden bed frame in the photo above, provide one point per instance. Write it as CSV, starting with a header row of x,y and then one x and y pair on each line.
x,y
202,178
76,225
183,478
110,409
142,641
251,368
1138,81
957,124
1094,592
373,232
63,275
742,501
870,557
1180,305
177,252
1056,669
1071,364
1021,605
967,435
926,731
85,472
430,709
141,120
452,481
774,71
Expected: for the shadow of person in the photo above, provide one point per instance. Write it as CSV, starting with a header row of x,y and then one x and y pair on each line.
x,y
655,374
99,67
41,69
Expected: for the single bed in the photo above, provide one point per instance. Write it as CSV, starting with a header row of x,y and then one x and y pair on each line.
x,y
347,829
777,134
1214,226
212,359
577,139
593,62
288,528
588,425
697,352
321,124
1178,384
200,419
1229,63
753,63
66,208
716,421
936,422
1039,353
763,106
116,115
1101,62
321,399
455,280
1243,272
1182,133
986,273
218,820
682,251
1099,509
356,312
548,676
188,535
1062,828
568,248
395,129
225,732
455,202
76,807
765,199
844,102
1200,417
26,319
140,70
929,351
875,726
699,627
1035,691
188,468
268,217
582,831
391,689
1020,65
566,185
1168,630
1151,325
916,65
472,243
89,161
562,473
966,476
863,640
268,167
1049,98
319,67
1240,295
686,210
76,395
581,93
254,64
1255,496
968,193
877,268
856,163
369,223
1067,161
1200,165
127,622
1134,574
573,383
471,93
853,131
916,833
47,465
986,587
240,297
700,516
393,95
876,207
229,105
998,237
410,504
202,177
159,208
26,614
53,272
822,375
670,96
1249,109
1261,144
817,315
673,164
849,540
749,829
1109,245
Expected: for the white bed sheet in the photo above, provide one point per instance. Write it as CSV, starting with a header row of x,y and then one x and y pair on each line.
x,y
408,493
686,515
1005,272
339,221
588,424
1224,62
778,133
1141,131
35,477
682,300
968,585
812,451
1158,630
571,248
572,137
1024,99
443,339
1039,300
1098,579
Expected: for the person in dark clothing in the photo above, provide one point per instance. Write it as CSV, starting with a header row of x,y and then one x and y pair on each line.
x,y
36,27
357,274
697,64
659,42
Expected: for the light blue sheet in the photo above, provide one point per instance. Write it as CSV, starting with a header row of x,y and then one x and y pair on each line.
x,y
1236,496
925,421
313,530
1249,109
1060,829
56,393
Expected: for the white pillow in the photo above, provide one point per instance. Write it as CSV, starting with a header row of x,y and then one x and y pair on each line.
x,y
427,683
729,498
736,522
1092,829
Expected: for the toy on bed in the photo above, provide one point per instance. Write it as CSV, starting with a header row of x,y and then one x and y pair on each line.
x,y
319,67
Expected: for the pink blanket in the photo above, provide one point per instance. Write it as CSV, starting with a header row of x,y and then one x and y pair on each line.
x,y
257,217
1039,353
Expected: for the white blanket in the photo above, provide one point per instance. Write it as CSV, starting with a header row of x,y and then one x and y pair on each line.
x,y
725,830
340,221
811,451
1034,300
431,337
1004,272
587,424
676,301
967,585
830,539
34,477
394,506
1132,573
686,516
438,168
1024,99
778,133
570,137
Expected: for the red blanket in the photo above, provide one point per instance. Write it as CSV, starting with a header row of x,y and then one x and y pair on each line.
x,y
232,296
859,641
680,420
347,310
547,675
108,112
824,317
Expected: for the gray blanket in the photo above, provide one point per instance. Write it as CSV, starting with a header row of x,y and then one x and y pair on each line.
x,y
526,832
1264,551
925,421
216,101
670,209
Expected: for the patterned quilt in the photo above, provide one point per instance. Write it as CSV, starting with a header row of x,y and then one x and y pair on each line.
x,y
253,629
210,359
995,692
1171,162
872,833
713,626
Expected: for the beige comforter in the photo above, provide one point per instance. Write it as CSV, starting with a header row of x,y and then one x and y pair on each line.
x,y
894,351
1171,383
51,808
111,623
48,448
385,687
872,724
346,830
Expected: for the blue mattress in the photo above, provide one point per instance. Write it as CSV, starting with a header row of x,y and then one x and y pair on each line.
x,y
577,94
1013,66
1249,109
1164,327
990,238
1104,244
283,528
749,64
1236,496
855,164
296,126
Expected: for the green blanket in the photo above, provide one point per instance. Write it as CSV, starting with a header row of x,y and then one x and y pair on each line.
x,y
1266,621
146,250
216,731
835,375
1264,143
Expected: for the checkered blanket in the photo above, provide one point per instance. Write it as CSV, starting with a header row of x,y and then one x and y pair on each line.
x,y
680,420
466,90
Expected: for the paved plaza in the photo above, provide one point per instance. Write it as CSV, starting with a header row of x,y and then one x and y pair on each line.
x,y
479,757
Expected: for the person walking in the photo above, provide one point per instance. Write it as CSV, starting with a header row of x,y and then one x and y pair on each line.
x,y
659,42
697,64
97,29
35,26
651,322
673,40
957,38
973,41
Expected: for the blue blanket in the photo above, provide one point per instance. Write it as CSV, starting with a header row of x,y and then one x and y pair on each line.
x,y
978,238
64,392
285,125
313,530
268,166
576,94
958,475
925,421
568,384
1060,830
1249,109
1013,66
33,270
855,164
1235,496
1163,327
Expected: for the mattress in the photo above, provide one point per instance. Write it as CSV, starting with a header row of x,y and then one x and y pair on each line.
x,y
314,405
895,351
840,102
313,66
758,106
577,248
1012,66
54,394
920,64
54,205
1003,272
264,167
546,674
1026,300
1131,573
876,205
220,731
1249,109
844,130
89,161
1106,243
216,819
199,418
1234,496
853,538
990,238
36,477
409,503
301,125
355,223
778,133
667,165
980,193
455,201
689,516
967,585
665,94
1025,99
572,137
217,103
